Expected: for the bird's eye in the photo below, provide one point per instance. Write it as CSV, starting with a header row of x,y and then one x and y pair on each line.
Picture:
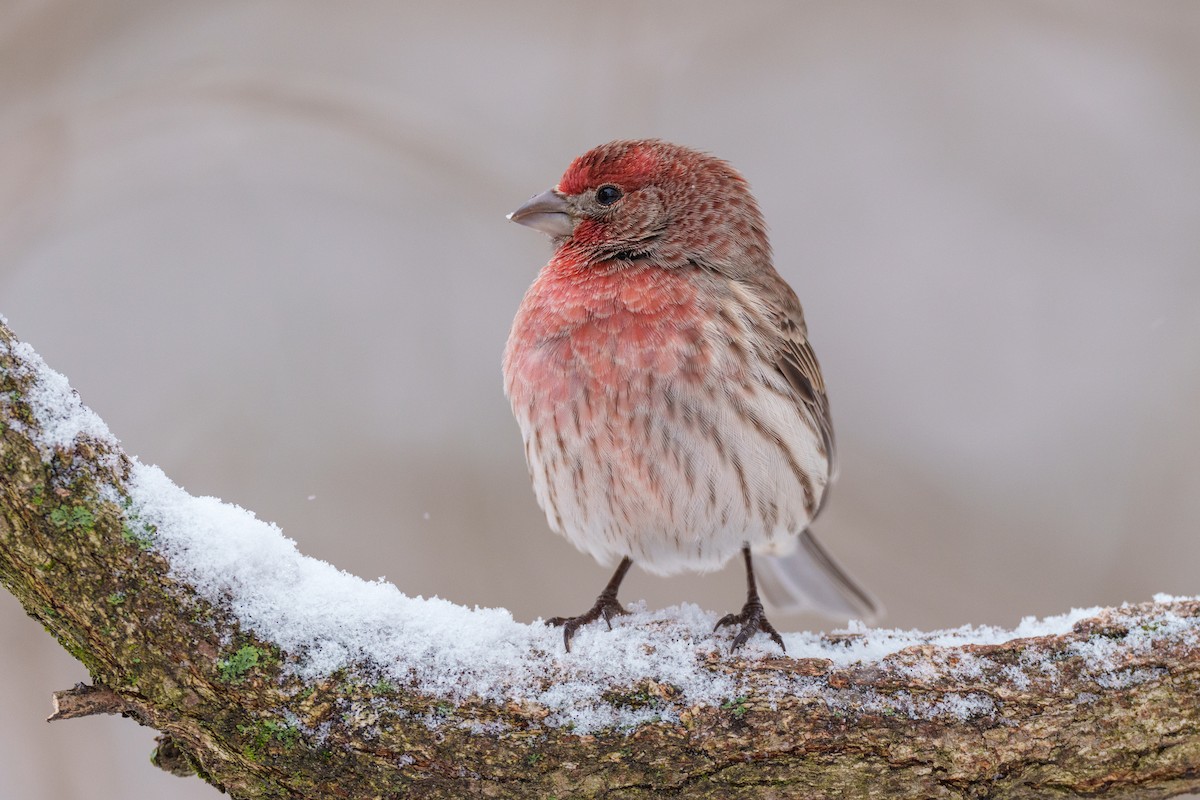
x,y
607,195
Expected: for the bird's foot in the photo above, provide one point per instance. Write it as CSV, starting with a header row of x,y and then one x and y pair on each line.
x,y
606,608
752,619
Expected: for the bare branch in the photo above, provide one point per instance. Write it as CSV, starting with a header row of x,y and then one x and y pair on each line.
x,y
84,701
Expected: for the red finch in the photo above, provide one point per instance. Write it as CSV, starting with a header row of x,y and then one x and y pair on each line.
x,y
672,409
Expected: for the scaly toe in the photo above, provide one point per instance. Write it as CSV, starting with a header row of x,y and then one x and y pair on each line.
x,y
605,608
752,620
769,629
728,619
612,610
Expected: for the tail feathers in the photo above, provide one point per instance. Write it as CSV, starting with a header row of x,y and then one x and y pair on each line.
x,y
808,579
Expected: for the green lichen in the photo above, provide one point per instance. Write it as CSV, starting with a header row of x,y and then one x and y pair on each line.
x,y
19,408
134,531
737,705
143,539
73,519
263,733
234,668
116,598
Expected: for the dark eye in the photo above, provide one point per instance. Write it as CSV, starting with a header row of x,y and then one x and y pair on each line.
x,y
607,195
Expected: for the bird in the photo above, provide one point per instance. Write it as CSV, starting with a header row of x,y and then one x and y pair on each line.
x,y
672,409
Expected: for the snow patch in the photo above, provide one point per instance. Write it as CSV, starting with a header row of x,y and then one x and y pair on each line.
x,y
61,415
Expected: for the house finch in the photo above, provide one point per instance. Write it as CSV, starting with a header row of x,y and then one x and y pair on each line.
x,y
672,409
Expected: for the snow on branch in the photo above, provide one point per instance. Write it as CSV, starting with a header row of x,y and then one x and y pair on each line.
x,y
274,674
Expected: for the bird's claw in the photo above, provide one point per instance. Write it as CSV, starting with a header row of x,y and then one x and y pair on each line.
x,y
606,608
752,619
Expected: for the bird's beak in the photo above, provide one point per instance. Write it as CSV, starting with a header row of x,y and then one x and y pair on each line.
x,y
547,212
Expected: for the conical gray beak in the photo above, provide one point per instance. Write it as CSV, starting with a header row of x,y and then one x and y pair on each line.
x,y
547,212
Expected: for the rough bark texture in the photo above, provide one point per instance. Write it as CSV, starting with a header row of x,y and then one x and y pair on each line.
x,y
227,711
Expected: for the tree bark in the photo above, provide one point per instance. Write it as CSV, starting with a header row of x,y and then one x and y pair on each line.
x,y
927,722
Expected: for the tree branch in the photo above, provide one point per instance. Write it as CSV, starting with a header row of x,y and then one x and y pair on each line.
x,y
84,701
1108,706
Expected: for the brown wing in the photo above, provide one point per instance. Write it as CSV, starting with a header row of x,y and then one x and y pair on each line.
x,y
798,365
793,356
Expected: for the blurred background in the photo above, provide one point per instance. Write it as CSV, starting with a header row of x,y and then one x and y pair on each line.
x,y
266,242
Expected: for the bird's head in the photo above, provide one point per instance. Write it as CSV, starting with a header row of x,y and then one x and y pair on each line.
x,y
650,200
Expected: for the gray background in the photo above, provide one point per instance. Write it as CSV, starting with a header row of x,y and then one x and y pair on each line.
x,y
266,242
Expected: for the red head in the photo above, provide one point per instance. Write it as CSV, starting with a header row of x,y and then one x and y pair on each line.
x,y
653,201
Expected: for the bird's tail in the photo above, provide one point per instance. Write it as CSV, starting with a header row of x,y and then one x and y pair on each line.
x,y
808,579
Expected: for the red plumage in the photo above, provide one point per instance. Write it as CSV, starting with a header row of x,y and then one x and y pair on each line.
x,y
672,409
